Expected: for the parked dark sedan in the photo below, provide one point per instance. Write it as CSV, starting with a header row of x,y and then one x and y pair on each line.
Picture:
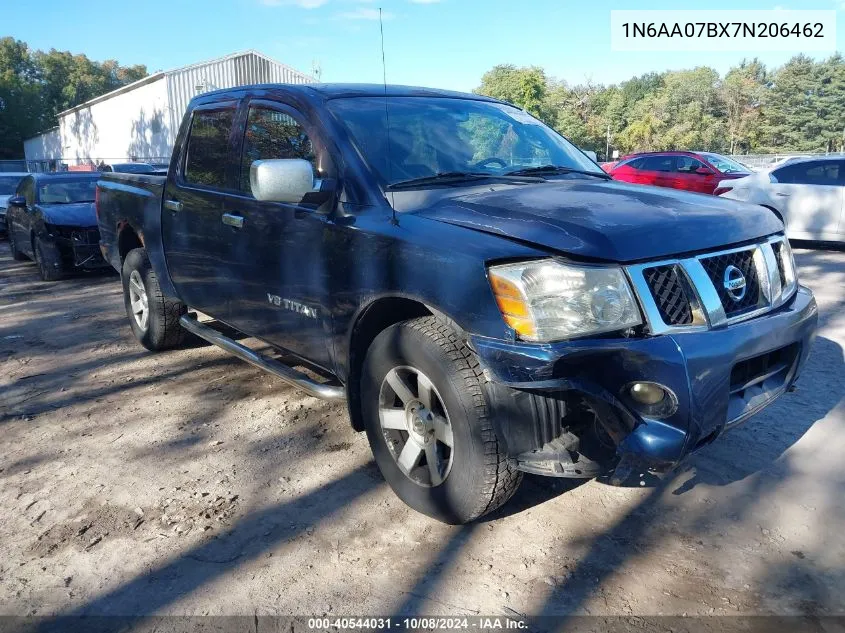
x,y
51,219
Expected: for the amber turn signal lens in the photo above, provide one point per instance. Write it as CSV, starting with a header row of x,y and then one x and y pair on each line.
x,y
513,307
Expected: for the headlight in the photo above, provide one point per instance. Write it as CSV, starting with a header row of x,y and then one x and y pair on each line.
x,y
787,261
547,300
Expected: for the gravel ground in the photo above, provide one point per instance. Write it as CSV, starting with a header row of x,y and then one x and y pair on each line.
x,y
191,483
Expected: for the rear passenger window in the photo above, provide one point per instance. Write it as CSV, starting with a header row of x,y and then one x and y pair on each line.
x,y
273,134
809,173
208,147
658,163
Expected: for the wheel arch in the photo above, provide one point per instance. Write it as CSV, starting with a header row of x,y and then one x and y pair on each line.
x,y
128,239
777,213
371,320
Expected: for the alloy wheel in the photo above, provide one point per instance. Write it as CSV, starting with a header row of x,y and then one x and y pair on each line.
x,y
416,426
138,300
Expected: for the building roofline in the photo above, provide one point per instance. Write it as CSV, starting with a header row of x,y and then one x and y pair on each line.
x,y
249,51
135,84
47,131
163,73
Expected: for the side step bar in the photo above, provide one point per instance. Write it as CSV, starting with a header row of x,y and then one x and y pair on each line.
x,y
288,374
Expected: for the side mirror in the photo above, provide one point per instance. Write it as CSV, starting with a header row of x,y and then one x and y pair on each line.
x,y
17,201
704,171
281,180
591,154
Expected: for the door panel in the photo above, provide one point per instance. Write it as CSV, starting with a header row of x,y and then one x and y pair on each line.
x,y
810,194
657,170
687,177
22,217
193,236
276,256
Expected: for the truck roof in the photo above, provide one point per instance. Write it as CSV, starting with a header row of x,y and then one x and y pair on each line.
x,y
342,90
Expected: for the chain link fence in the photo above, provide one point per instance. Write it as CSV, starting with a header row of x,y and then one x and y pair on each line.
x,y
81,164
754,161
762,161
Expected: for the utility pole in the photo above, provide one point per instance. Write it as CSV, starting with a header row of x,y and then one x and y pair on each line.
x,y
607,149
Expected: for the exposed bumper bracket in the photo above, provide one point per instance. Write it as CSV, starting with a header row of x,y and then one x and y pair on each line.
x,y
559,458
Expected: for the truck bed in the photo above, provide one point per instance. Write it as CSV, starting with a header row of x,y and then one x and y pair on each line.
x,y
130,200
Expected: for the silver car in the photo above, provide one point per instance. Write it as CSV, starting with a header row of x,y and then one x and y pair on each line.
x,y
9,182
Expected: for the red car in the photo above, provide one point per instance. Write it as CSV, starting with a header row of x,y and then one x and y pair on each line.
x,y
693,171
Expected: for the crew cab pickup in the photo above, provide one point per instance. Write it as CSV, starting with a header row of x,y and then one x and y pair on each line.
x,y
480,292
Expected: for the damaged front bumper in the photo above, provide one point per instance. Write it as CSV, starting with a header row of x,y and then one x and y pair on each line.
x,y
79,247
717,378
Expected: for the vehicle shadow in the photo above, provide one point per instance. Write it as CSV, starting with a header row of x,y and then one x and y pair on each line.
x,y
202,564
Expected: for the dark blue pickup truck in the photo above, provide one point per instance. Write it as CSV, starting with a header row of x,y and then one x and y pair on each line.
x,y
484,298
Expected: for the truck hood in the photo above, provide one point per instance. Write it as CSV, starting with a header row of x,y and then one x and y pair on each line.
x,y
607,220
74,214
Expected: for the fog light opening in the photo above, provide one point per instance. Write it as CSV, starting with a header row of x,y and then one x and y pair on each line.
x,y
647,393
650,399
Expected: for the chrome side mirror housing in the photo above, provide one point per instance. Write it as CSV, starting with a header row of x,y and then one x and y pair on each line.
x,y
281,180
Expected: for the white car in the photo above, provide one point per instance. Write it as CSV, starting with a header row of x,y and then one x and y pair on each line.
x,y
808,194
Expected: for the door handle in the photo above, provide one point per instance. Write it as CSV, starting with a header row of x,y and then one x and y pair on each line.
x,y
782,194
236,221
173,205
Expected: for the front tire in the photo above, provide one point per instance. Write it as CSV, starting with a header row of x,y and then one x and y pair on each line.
x,y
428,422
48,259
154,318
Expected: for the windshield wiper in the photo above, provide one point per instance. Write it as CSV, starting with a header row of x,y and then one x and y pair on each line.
x,y
556,169
453,177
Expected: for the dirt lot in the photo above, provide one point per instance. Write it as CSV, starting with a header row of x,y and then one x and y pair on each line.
x,y
189,482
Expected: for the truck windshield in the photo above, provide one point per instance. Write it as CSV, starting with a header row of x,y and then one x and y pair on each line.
x,y
440,135
67,192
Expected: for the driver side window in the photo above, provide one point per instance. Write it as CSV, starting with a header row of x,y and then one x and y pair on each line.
x,y
273,134
687,164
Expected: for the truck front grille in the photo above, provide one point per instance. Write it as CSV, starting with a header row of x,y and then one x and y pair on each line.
x,y
714,289
738,302
669,294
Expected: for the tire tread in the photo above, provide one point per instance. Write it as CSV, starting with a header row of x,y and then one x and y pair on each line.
x,y
167,312
501,479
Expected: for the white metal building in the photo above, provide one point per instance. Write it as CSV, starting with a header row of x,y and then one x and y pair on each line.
x,y
139,121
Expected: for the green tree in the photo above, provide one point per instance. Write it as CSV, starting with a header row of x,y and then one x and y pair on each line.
x,y
21,113
804,106
742,93
36,86
524,87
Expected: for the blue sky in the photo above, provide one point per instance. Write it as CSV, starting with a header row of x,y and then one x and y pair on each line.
x,y
440,43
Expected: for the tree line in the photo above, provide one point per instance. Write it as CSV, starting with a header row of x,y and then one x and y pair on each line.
x,y
35,86
798,107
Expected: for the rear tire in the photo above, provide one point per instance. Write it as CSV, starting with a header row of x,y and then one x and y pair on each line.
x,y
440,398
49,260
16,254
154,318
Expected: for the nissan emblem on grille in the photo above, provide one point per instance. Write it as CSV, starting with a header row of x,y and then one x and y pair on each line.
x,y
734,283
